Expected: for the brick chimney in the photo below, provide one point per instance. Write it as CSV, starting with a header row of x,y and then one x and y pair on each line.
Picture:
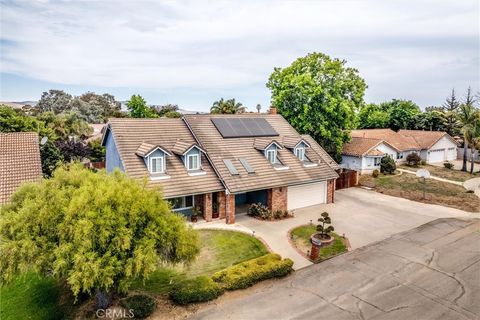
x,y
273,110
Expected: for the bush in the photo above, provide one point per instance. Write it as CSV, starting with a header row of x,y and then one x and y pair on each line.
x,y
375,173
413,159
199,289
448,165
248,273
387,165
259,210
142,305
423,162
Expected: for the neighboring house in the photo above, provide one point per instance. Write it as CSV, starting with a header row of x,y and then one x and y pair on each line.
x,y
366,148
97,133
19,162
222,163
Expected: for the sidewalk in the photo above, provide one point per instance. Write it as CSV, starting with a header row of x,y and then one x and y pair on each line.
x,y
458,183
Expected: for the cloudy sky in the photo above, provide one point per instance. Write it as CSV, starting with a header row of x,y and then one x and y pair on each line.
x,y
192,53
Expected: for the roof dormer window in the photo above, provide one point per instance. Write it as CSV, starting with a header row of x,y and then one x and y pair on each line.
x,y
271,155
300,153
157,164
193,161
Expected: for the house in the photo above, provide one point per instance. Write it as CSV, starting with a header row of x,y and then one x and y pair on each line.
x,y
368,146
19,162
223,163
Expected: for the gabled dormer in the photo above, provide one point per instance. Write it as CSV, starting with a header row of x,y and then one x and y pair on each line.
x,y
154,157
269,148
191,155
299,148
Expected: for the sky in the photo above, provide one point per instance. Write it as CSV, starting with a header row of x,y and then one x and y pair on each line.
x,y
192,53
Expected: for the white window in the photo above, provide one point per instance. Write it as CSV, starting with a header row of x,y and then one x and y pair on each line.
x,y
377,161
157,165
272,156
181,203
193,162
300,153
400,155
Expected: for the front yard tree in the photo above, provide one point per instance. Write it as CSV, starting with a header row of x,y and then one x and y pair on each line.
x,y
138,108
387,165
96,231
319,96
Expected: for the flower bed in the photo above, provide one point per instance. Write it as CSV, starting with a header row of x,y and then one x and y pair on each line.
x,y
259,211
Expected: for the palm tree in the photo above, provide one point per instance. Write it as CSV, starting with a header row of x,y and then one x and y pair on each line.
x,y
229,106
467,116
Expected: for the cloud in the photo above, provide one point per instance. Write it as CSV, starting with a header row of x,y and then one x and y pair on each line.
x,y
398,46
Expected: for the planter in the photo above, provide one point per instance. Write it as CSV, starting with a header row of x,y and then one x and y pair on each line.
x,y
193,218
318,242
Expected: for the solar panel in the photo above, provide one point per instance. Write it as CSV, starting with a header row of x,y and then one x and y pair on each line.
x,y
243,127
230,167
246,165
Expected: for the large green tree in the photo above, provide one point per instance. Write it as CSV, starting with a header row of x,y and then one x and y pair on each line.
x,y
96,231
56,101
319,96
402,113
450,108
430,121
372,116
15,120
138,108
229,106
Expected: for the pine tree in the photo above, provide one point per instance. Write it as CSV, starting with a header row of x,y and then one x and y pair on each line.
x,y
450,106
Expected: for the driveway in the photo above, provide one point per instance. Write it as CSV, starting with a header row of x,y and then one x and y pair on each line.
x,y
363,216
430,272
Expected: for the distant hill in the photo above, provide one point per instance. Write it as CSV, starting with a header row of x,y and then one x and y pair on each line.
x,y
18,104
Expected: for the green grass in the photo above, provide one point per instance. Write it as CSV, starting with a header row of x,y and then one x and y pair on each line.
x,y
31,297
219,250
301,238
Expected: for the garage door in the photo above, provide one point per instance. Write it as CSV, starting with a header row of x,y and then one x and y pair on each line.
x,y
437,155
452,154
306,195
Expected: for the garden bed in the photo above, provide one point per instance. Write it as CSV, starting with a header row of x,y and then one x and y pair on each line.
x,y
300,239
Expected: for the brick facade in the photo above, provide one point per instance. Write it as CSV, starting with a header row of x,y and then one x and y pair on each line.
x,y
221,205
277,199
330,191
226,207
207,207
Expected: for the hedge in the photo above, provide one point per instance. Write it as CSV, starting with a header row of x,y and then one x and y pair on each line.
x,y
142,305
199,289
248,273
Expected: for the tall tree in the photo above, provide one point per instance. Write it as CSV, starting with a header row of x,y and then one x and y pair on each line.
x,y
14,120
96,231
138,108
56,101
450,106
467,116
103,106
319,96
66,125
372,116
430,121
51,158
401,113
168,111
229,106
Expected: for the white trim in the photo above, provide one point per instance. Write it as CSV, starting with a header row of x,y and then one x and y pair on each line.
x,y
189,161
198,173
194,146
155,149
296,150
184,201
281,168
274,151
161,177
305,142
311,164
275,143
162,161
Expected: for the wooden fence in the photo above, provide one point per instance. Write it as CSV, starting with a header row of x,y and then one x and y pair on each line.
x,y
347,178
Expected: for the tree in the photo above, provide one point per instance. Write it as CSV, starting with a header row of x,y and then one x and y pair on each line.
x,y
97,151
96,231
14,120
387,165
168,111
467,116
138,108
319,96
65,125
401,113
105,106
372,116
73,150
51,158
229,106
430,121
413,159
450,106
56,101
322,228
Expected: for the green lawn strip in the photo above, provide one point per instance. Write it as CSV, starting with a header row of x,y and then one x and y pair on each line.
x,y
301,238
33,297
442,172
219,250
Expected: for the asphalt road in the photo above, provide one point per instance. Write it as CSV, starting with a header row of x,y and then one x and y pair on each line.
x,y
430,272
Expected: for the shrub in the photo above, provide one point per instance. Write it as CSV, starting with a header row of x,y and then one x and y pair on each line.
x,y
248,273
375,173
423,162
259,210
413,159
199,289
142,305
387,165
322,228
448,165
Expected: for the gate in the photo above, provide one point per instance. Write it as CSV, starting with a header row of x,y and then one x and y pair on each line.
x,y
347,178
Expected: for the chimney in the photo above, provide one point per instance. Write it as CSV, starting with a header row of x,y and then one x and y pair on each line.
x,y
273,110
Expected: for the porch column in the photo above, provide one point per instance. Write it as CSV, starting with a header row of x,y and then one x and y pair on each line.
x,y
207,207
230,208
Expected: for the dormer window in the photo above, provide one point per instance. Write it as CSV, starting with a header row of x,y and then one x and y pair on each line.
x,y
157,164
272,155
193,161
300,152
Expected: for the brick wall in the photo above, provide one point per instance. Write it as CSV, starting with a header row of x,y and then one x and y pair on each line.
x,y
330,191
277,199
207,207
226,207
221,205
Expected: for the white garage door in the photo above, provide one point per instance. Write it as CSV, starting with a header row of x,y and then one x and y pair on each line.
x,y
452,154
437,155
306,195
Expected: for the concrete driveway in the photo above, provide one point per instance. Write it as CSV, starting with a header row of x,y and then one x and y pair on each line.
x,y
430,272
363,216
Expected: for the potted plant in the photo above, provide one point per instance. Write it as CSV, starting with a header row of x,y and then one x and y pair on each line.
x,y
195,213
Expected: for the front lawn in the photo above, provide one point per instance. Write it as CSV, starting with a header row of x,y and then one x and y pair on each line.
x,y
442,172
301,239
219,249
410,187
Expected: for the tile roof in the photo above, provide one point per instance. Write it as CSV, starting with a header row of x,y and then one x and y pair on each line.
x,y
358,147
19,161
131,134
425,139
265,176
262,144
292,142
395,139
181,147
